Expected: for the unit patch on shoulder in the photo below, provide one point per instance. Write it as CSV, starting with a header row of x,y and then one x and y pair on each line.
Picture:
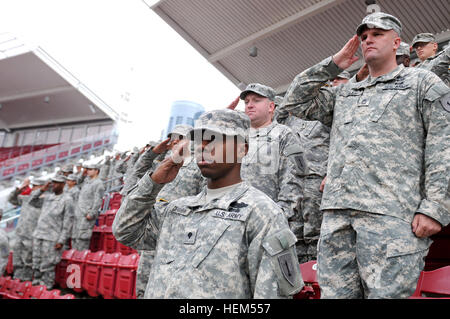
x,y
445,101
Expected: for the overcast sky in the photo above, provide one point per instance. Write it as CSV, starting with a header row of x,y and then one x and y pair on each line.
x,y
121,48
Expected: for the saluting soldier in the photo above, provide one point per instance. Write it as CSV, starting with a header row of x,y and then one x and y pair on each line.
x,y
388,166
229,241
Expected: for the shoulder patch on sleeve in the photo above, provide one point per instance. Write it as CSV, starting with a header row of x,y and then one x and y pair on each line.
x,y
445,102
437,91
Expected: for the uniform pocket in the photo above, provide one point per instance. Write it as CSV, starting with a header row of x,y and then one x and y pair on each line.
x,y
205,248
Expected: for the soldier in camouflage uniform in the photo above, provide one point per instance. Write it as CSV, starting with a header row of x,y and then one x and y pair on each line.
x,y
87,208
188,182
274,162
426,48
403,54
388,167
315,140
23,244
71,187
52,230
201,252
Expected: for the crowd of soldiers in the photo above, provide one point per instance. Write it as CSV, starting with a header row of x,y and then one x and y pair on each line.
x,y
351,171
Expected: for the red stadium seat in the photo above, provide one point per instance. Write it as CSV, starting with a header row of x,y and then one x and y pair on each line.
x,y
92,272
109,241
109,216
114,202
126,277
61,272
108,274
66,296
96,243
3,280
35,292
10,287
125,250
78,263
101,220
4,283
50,294
433,284
311,289
19,291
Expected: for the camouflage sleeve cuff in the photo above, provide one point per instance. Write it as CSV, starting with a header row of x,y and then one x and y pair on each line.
x,y
147,186
331,68
435,211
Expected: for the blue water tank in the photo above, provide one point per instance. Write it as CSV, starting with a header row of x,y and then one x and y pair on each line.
x,y
183,112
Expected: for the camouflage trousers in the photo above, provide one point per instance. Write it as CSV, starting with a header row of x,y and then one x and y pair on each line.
x,y
23,258
365,255
143,271
80,244
311,220
45,258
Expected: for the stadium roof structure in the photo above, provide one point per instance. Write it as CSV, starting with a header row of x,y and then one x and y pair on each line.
x,y
270,42
37,91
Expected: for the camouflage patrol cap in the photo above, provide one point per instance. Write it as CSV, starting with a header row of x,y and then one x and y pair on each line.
x,y
423,37
259,89
181,129
67,168
345,75
91,165
58,179
72,177
380,20
38,182
403,49
226,122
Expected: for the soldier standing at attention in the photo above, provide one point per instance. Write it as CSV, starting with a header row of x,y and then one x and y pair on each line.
x,y
388,168
229,241
315,140
426,48
274,161
52,230
23,244
87,208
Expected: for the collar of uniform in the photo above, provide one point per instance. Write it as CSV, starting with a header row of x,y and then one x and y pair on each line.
x,y
255,132
220,203
431,58
383,78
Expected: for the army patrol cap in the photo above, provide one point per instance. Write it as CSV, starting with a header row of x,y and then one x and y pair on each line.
x,y
380,20
38,182
423,37
226,122
403,49
181,129
67,168
72,177
259,89
92,166
58,179
345,75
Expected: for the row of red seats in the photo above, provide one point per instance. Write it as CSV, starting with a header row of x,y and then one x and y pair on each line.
x,y
103,238
16,289
111,275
